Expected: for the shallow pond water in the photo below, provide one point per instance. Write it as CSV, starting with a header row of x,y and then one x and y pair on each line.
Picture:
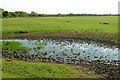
x,y
70,48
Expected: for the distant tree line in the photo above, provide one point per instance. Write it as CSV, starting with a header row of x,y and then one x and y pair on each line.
x,y
6,14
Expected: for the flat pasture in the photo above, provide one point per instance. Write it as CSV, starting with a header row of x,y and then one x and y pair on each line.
x,y
60,24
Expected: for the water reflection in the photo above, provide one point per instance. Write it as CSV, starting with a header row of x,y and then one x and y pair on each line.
x,y
73,49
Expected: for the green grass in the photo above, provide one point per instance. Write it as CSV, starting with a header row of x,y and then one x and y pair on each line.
x,y
63,24
22,69
12,47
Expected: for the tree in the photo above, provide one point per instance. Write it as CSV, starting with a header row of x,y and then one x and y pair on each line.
x,y
5,14
24,14
59,14
71,14
19,13
13,14
43,15
34,14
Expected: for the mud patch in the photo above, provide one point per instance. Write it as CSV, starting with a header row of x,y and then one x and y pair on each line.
x,y
106,38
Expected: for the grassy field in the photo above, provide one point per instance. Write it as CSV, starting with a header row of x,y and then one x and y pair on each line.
x,y
22,69
84,27
62,24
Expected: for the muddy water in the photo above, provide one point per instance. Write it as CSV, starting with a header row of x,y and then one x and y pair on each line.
x,y
70,48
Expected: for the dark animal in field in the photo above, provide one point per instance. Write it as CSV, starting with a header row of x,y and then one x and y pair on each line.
x,y
59,31
21,32
104,22
68,21
8,59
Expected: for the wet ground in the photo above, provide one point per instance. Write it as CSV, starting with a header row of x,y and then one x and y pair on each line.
x,y
102,58
71,48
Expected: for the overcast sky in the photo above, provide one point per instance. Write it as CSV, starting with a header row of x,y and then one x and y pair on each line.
x,y
62,6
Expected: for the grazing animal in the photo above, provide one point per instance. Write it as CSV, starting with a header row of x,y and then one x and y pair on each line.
x,y
8,59
104,22
76,31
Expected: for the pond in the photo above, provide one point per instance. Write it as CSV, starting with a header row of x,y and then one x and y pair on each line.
x,y
69,48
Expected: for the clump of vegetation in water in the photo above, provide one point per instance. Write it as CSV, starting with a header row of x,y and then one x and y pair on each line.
x,y
39,46
12,47
41,43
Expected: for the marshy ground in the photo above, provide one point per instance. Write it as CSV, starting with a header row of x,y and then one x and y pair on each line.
x,y
18,64
31,52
